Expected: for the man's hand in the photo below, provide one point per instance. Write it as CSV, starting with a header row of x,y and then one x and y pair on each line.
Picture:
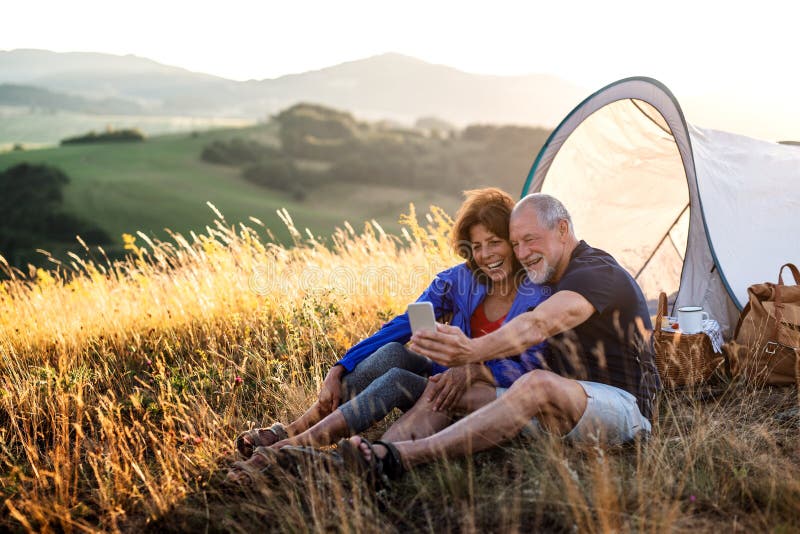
x,y
331,391
451,385
447,346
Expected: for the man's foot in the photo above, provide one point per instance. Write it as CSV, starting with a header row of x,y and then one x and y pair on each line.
x,y
378,449
379,461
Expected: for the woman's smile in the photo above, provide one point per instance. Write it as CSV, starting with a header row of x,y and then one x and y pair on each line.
x,y
492,253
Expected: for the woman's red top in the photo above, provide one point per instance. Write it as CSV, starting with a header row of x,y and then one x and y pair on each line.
x,y
480,325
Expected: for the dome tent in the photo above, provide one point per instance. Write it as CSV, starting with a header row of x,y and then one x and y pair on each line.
x,y
699,212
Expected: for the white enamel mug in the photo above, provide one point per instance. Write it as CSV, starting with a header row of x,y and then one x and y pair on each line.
x,y
690,319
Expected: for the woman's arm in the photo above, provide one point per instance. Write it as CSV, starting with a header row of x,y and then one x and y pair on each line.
x,y
399,329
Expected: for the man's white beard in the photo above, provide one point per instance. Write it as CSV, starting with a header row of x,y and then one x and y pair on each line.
x,y
547,274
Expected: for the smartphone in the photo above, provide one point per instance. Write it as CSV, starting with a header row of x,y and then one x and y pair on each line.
x,y
420,314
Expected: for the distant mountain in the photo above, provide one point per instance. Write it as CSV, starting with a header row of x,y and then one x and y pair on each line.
x,y
388,86
157,88
385,86
34,66
35,97
404,88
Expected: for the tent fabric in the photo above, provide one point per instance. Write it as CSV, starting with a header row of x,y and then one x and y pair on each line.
x,y
696,213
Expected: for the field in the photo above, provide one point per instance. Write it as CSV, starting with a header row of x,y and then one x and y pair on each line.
x,y
163,183
125,383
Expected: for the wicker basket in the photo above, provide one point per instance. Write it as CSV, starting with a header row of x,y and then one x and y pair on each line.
x,y
682,359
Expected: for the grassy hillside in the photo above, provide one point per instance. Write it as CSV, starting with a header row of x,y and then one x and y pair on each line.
x,y
162,183
123,388
322,165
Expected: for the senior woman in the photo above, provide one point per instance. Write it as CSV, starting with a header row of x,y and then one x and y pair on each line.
x,y
380,373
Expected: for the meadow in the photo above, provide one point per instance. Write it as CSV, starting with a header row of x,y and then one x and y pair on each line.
x,y
163,183
124,384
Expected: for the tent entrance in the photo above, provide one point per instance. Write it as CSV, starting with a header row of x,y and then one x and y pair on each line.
x,y
620,174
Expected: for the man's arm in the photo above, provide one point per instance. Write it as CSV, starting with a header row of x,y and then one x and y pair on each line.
x,y
449,346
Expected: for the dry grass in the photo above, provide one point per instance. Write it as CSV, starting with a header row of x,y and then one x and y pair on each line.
x,y
124,384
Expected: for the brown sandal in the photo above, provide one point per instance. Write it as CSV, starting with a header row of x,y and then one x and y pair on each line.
x,y
377,472
253,474
248,441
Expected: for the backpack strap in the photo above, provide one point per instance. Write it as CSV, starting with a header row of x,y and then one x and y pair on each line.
x,y
793,269
797,372
779,297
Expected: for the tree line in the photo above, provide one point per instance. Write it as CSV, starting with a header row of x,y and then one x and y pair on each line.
x,y
31,198
374,153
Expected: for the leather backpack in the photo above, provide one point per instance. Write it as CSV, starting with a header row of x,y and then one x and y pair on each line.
x,y
766,345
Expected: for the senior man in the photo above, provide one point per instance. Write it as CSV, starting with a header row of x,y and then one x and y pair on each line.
x,y
599,377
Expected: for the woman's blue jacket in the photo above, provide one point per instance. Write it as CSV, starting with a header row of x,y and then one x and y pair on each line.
x,y
457,291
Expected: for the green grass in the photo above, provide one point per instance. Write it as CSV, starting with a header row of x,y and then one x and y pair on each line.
x,y
163,183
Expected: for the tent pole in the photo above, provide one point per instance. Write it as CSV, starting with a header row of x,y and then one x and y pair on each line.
x,y
666,235
675,246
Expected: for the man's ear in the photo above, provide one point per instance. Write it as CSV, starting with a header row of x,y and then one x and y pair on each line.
x,y
563,228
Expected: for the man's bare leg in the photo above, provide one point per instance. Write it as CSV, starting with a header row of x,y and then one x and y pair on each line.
x,y
422,421
558,403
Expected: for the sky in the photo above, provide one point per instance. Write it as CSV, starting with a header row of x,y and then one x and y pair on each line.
x,y
694,47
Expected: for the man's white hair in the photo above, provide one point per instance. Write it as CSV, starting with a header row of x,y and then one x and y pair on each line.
x,y
549,210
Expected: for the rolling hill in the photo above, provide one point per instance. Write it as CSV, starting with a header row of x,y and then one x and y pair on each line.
x,y
163,183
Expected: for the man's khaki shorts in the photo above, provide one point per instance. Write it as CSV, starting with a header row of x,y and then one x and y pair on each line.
x,y
612,416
